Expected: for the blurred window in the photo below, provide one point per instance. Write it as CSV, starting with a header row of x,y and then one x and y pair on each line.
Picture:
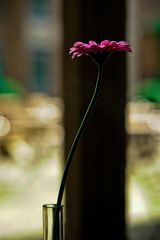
x,y
39,8
40,71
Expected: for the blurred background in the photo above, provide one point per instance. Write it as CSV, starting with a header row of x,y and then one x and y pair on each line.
x,y
143,120
32,110
31,114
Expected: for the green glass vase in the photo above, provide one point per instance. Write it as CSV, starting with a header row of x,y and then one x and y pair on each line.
x,y
49,227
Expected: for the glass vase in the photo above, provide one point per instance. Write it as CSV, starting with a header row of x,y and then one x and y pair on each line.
x,y
52,231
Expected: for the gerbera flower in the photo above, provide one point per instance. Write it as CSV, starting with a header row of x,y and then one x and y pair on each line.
x,y
99,52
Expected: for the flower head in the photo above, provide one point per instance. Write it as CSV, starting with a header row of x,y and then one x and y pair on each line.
x,y
99,52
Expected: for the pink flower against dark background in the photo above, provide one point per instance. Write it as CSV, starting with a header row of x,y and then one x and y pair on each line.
x,y
99,53
102,50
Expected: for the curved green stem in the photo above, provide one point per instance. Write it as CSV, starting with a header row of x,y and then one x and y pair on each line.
x,y
77,137
75,143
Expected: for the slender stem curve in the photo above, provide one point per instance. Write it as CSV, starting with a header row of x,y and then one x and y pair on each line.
x,y
74,145
77,137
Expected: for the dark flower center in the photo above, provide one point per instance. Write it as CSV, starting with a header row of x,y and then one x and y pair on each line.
x,y
100,57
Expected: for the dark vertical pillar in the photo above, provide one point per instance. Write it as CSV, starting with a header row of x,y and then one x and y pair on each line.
x,y
95,193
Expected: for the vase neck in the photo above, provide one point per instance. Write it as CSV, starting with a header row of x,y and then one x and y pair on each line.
x,y
49,226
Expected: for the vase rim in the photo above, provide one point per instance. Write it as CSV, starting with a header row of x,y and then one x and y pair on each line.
x,y
52,205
